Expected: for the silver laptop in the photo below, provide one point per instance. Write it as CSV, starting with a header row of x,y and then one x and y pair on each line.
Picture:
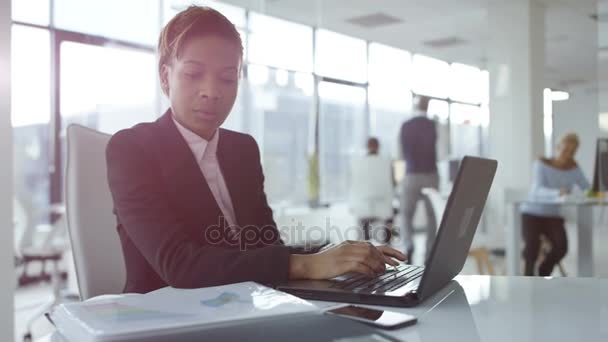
x,y
408,285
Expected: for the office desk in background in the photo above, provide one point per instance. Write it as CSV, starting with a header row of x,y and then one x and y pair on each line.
x,y
584,230
487,309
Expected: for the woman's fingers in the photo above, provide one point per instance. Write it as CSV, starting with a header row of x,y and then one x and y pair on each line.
x,y
358,267
367,254
391,261
362,257
343,258
389,251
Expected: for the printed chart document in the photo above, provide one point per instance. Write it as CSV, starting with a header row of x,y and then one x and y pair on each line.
x,y
169,311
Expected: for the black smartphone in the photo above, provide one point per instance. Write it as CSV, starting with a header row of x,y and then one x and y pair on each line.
x,y
380,318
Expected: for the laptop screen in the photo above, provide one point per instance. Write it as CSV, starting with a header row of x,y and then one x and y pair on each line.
x,y
459,223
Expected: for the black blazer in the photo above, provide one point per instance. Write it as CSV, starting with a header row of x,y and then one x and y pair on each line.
x,y
170,226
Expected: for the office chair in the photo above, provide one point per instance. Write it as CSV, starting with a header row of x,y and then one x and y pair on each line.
x,y
478,251
372,192
295,229
37,243
98,258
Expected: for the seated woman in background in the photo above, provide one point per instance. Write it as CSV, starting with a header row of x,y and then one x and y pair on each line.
x,y
552,178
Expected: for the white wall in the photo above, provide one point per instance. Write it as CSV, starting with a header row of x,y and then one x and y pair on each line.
x,y
579,114
6,188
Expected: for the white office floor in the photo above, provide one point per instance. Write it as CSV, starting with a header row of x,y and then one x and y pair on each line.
x,y
28,300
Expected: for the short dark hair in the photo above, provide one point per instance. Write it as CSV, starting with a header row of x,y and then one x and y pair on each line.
x,y
191,22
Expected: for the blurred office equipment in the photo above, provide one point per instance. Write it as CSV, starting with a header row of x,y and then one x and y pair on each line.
x,y
600,169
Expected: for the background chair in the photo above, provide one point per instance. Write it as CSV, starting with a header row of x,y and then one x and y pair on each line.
x,y
39,244
98,257
515,195
372,192
478,251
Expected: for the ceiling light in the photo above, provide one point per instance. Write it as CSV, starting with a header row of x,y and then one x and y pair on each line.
x,y
558,95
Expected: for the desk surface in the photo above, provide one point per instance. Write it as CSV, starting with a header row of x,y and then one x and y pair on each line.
x,y
567,201
484,308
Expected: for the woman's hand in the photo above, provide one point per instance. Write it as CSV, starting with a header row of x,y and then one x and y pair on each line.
x,y
349,256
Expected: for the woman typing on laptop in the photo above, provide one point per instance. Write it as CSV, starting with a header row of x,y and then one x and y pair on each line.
x,y
189,196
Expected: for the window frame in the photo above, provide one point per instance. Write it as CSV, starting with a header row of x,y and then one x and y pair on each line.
x,y
58,36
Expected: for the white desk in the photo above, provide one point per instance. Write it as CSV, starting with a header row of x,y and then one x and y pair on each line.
x,y
496,309
584,220
523,309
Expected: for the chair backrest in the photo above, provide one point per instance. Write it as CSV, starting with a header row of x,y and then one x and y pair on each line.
x,y
438,202
20,225
33,239
371,187
98,257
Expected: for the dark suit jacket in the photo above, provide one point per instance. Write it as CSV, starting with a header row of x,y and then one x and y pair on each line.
x,y
168,220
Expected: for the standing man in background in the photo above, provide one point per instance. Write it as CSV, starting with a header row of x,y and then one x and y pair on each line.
x,y
418,139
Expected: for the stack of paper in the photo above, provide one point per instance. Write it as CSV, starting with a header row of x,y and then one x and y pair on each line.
x,y
170,312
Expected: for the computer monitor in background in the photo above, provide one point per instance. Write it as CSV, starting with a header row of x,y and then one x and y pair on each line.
x,y
600,170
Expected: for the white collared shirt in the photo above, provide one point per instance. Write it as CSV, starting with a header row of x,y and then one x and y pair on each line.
x,y
205,154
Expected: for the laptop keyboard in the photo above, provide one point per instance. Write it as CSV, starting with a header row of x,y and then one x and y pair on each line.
x,y
393,278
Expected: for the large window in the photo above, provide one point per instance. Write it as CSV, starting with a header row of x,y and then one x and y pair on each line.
x,y
30,116
467,84
389,66
339,56
439,110
104,88
343,123
431,77
390,95
342,134
135,21
279,43
103,54
238,120
465,125
31,11
284,108
107,88
278,103
31,72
